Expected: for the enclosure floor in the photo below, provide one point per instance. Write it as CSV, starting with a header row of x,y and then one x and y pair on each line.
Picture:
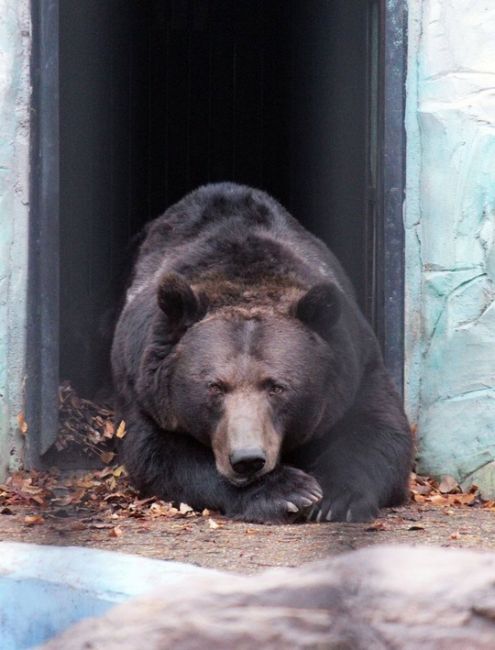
x,y
248,548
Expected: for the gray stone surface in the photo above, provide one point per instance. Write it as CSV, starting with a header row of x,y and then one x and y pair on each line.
x,y
376,598
45,589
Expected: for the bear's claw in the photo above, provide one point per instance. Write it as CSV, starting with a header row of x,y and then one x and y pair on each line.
x,y
348,508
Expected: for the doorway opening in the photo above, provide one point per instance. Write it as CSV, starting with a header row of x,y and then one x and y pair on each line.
x,y
156,98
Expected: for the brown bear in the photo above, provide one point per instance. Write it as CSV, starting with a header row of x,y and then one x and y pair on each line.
x,y
249,380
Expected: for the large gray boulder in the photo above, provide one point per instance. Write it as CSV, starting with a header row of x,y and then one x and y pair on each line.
x,y
376,598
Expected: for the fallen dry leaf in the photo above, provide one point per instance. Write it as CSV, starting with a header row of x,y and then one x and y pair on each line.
x,y
99,525
116,532
424,490
107,456
22,424
33,520
439,500
376,526
109,429
113,496
448,484
118,471
464,499
121,430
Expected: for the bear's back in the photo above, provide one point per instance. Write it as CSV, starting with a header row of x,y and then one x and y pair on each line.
x,y
237,232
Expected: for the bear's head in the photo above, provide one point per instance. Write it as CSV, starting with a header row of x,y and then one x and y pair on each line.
x,y
249,383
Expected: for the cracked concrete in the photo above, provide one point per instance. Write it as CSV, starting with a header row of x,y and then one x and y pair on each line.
x,y
450,244
14,218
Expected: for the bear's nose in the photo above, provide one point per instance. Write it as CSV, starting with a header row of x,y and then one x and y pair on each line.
x,y
247,461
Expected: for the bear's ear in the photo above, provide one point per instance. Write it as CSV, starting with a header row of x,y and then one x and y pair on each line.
x,y
320,308
179,303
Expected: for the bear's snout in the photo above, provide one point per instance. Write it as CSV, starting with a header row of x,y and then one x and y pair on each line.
x,y
245,443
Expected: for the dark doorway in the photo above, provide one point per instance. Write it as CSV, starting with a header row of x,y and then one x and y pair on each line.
x,y
159,97
303,99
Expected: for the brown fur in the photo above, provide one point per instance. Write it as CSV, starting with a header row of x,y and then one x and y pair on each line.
x,y
275,292
241,343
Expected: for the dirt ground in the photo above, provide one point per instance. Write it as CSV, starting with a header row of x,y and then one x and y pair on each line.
x,y
98,508
212,541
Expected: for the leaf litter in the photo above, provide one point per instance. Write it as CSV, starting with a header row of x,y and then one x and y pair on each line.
x,y
99,499
87,426
446,493
104,498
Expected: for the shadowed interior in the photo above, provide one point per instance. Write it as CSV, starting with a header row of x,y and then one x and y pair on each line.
x,y
159,97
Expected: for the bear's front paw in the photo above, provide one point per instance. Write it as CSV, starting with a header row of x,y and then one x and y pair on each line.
x,y
348,506
282,496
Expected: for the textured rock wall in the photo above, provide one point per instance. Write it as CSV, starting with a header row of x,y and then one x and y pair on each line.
x,y
450,240
372,599
15,39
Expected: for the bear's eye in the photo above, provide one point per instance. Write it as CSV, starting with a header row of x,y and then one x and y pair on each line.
x,y
274,388
217,388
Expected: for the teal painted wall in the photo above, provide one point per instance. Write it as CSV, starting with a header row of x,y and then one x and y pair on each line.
x,y
15,40
450,237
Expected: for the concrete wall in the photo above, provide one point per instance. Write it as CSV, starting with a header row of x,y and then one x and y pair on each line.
x,y
15,40
450,237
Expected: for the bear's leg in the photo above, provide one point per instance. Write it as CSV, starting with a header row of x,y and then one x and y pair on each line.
x,y
366,458
172,466
175,467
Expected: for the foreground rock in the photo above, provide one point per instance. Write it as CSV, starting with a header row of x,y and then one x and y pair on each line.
x,y
381,597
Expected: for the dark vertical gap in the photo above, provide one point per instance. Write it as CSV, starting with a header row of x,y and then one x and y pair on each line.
x,y
234,103
43,340
98,200
188,101
372,156
199,118
156,64
138,84
247,95
328,126
210,95
276,79
166,63
85,173
222,90
177,89
393,38
261,105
